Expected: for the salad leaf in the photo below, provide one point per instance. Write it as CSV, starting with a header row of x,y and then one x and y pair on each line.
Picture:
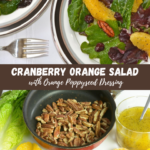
x,y
96,35
77,12
15,131
140,19
17,127
7,7
131,55
5,93
5,113
124,7
146,4
103,55
10,97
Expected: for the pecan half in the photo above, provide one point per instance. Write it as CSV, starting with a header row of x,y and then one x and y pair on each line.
x,y
61,104
47,126
39,118
47,130
38,126
103,112
44,110
98,128
84,111
49,108
106,28
84,117
81,127
54,106
95,106
87,124
100,103
57,132
46,117
95,118
76,142
86,103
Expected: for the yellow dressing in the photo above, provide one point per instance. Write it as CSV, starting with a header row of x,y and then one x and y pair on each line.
x,y
130,118
132,133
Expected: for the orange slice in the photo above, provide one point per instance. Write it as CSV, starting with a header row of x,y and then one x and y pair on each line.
x,y
25,146
136,5
99,11
141,40
36,147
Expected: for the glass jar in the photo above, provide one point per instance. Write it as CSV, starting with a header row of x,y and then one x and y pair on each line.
x,y
127,138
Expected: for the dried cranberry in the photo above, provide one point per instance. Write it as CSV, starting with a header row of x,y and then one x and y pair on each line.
x,y
118,17
99,47
24,3
89,19
107,2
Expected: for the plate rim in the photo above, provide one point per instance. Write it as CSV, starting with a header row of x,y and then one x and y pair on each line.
x,y
57,38
29,21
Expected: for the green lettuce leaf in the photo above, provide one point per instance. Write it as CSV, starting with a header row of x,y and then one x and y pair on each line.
x,y
5,93
7,7
5,113
124,7
103,55
96,35
10,97
146,4
17,127
77,12
15,131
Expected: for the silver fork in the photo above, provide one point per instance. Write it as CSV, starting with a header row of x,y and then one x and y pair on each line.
x,y
27,48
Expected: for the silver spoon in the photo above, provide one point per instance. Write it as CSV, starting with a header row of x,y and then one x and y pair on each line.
x,y
145,108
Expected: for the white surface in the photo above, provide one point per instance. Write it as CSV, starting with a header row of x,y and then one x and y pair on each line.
x,y
39,29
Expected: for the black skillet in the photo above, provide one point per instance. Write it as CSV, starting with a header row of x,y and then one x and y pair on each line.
x,y
37,100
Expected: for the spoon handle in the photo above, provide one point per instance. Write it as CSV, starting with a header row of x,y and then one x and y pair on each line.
x,y
145,108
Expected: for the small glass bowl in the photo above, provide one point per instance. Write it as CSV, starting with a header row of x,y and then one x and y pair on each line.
x,y
127,138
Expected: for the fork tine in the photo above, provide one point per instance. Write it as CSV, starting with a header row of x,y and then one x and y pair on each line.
x,y
35,55
35,46
34,50
35,40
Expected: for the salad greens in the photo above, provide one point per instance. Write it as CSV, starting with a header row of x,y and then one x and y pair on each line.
x,y
7,7
146,4
11,106
16,129
124,7
98,35
95,34
77,12
103,55
5,113
5,93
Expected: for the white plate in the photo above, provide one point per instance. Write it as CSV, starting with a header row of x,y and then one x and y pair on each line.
x,y
66,40
110,143
22,16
